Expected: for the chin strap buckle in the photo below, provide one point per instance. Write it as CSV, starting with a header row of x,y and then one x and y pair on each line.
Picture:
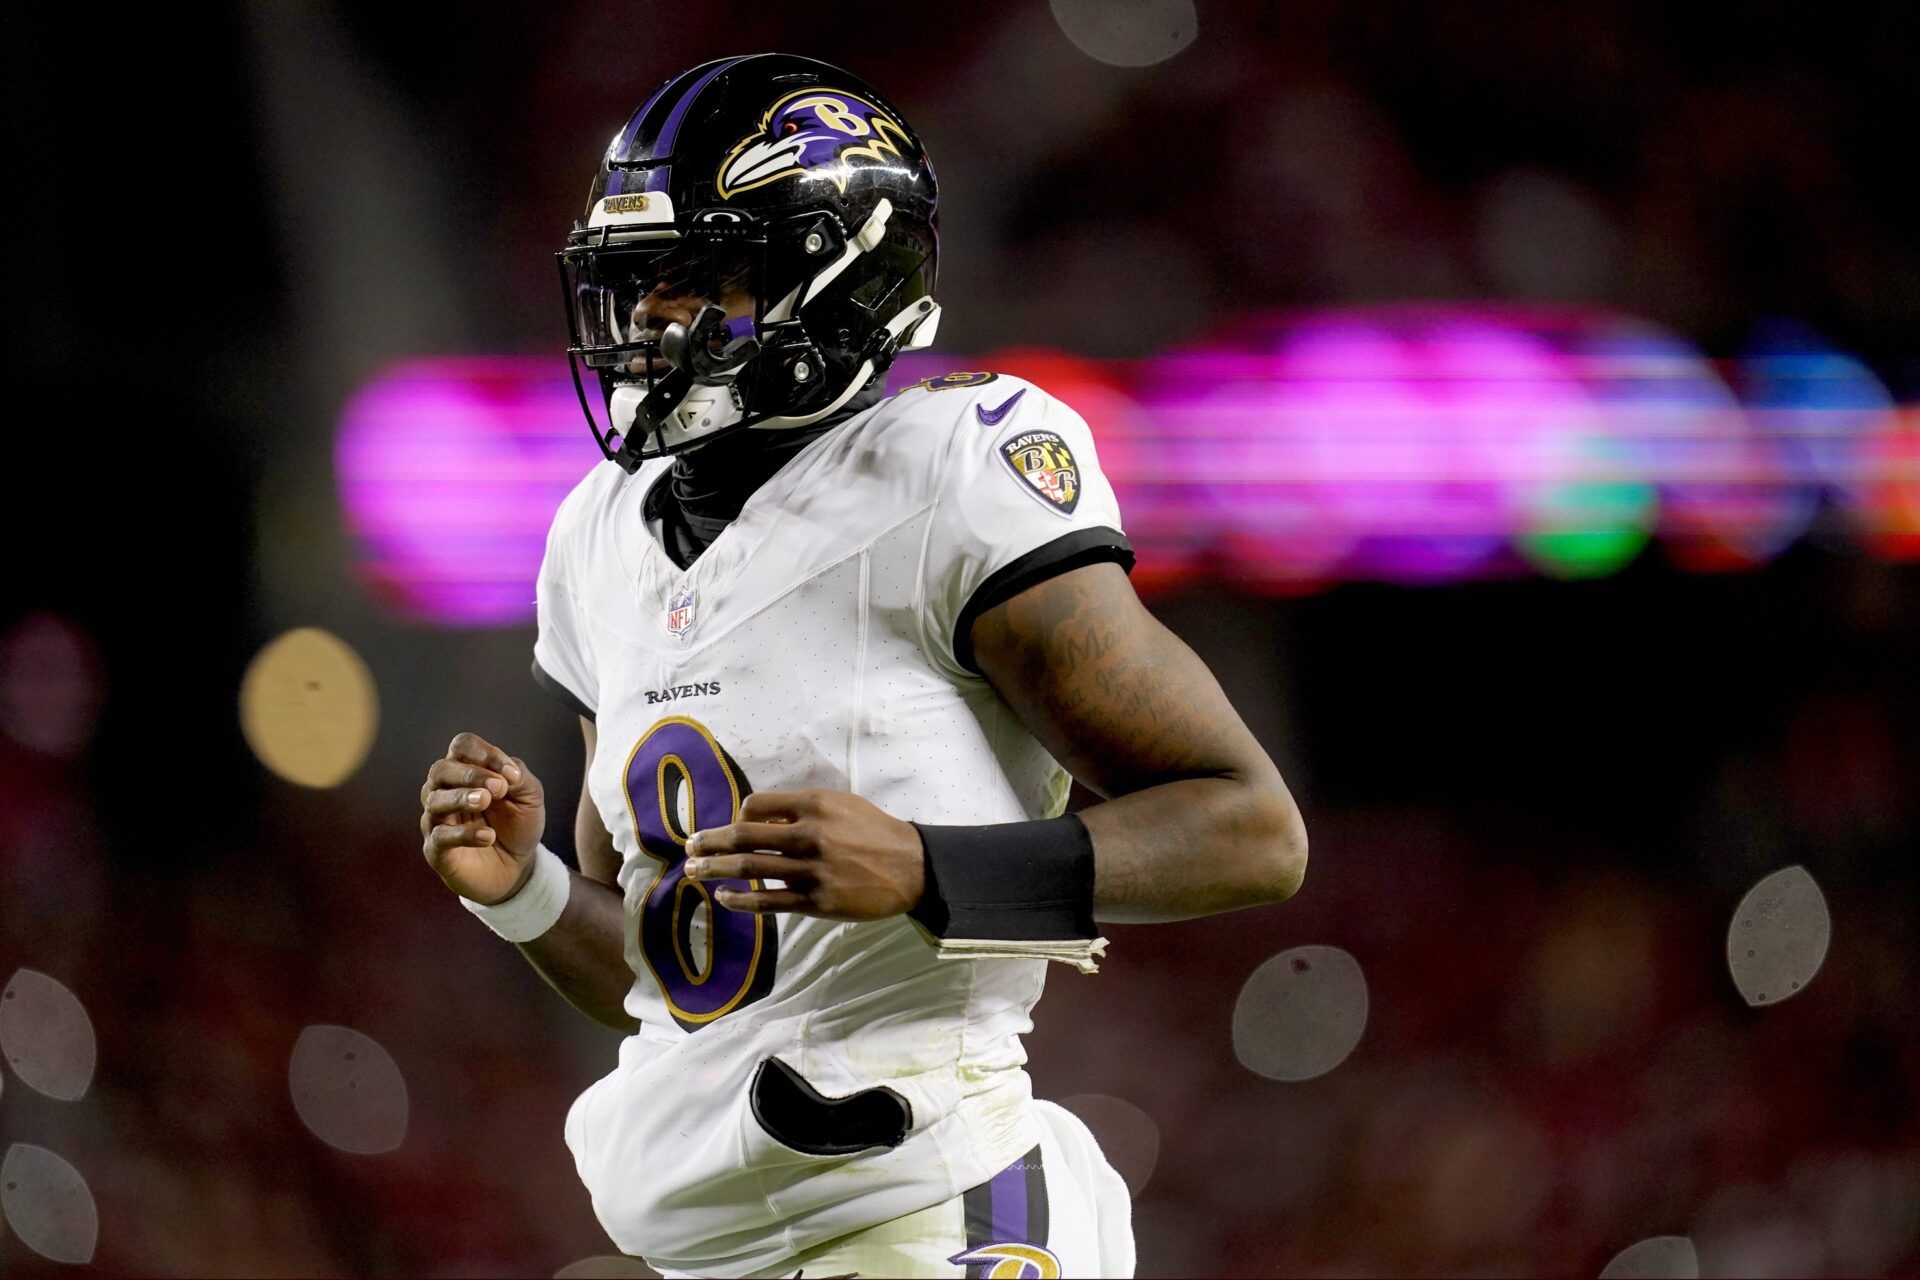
x,y
714,350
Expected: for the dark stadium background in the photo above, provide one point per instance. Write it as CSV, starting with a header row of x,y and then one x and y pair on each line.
x,y
1533,804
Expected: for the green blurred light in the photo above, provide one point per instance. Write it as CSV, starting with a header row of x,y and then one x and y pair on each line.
x,y
1593,519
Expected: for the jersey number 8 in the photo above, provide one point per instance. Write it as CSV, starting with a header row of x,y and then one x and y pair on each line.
x,y
679,780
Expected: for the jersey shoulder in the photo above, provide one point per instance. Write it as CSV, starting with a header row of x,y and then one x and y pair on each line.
x,y
981,400
912,439
594,503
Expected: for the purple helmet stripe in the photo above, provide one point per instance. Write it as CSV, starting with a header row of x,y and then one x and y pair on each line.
x,y
624,146
663,145
675,92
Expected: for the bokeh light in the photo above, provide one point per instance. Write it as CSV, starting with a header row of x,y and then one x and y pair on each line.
x,y
1658,1258
1254,442
1815,403
1128,33
1128,1136
1883,504
1580,505
1300,1014
1288,451
48,1205
308,708
1476,337
450,472
46,1036
348,1090
51,685
1778,937
1517,432
1752,1229
1589,511
1678,424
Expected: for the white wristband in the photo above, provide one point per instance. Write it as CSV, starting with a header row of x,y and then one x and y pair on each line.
x,y
536,907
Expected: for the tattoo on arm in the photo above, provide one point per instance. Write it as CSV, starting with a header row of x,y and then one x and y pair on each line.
x,y
1113,694
1193,802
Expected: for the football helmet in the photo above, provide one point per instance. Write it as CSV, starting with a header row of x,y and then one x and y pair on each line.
x,y
792,205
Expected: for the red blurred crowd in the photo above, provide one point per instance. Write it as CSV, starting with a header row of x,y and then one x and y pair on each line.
x,y
1556,1063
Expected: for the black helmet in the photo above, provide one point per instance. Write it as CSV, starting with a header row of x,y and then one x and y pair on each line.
x,y
773,177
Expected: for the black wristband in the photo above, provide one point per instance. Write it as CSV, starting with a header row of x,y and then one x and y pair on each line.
x,y
1009,882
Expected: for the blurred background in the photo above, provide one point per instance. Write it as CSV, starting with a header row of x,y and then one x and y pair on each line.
x,y
1514,404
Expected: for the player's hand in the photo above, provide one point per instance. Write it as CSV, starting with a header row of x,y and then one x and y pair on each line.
x,y
483,813
839,856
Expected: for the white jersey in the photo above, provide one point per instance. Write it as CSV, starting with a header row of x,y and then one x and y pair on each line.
x,y
820,641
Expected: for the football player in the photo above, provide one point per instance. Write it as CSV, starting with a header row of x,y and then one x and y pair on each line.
x,y
835,657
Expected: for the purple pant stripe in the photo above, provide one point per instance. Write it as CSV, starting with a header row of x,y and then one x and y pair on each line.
x,y
1009,1190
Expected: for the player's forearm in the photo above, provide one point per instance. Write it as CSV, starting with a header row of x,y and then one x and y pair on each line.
x,y
1199,820
1195,847
583,956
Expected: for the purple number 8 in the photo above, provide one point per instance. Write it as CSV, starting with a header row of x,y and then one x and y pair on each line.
x,y
676,770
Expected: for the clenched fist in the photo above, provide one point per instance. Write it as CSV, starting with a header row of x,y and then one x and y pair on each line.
x,y
483,815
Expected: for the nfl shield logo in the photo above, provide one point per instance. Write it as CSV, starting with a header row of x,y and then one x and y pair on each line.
x,y
680,613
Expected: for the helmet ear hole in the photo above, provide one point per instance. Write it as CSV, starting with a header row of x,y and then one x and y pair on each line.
x,y
791,375
821,239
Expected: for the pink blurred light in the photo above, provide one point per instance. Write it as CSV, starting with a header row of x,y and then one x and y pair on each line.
x,y
450,472
52,685
1508,416
1726,499
1884,500
1402,444
1254,441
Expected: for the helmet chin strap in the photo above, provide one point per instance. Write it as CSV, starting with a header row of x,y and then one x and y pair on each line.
x,y
695,399
706,408
696,413
922,319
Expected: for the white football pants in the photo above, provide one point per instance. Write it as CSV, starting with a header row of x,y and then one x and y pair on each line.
x,y
1058,1211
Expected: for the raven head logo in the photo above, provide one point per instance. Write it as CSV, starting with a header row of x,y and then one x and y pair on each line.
x,y
818,132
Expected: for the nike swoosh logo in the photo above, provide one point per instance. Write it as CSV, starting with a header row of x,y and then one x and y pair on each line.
x,y
991,417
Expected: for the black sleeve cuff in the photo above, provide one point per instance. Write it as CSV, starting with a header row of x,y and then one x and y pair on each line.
x,y
1008,882
1074,550
560,691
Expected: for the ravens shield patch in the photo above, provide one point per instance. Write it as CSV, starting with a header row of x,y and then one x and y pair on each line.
x,y
1045,465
